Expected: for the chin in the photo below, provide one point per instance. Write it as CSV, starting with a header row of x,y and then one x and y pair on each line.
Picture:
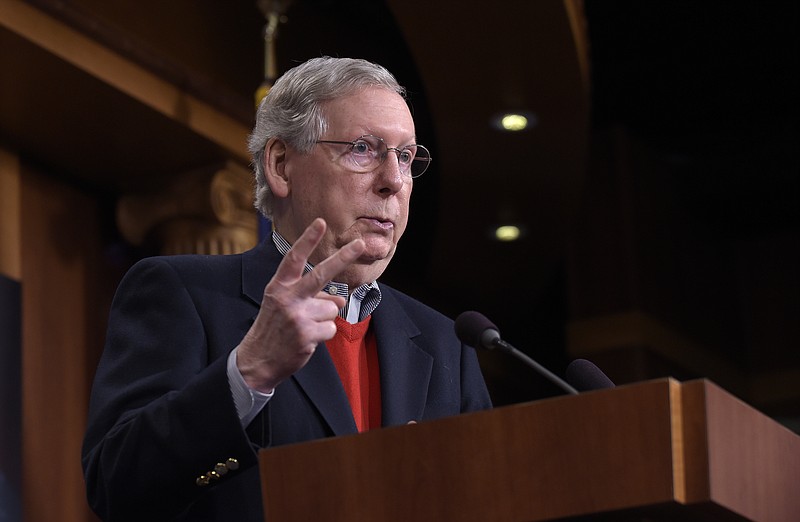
x,y
367,260
376,261
377,251
365,270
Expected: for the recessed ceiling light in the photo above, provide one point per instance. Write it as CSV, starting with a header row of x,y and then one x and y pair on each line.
x,y
507,233
514,121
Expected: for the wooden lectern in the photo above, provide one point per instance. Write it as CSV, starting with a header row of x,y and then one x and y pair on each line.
x,y
657,451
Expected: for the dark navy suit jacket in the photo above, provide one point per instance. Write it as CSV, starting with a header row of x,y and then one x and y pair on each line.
x,y
161,412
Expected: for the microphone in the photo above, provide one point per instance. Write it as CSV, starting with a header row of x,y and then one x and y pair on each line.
x,y
586,376
474,329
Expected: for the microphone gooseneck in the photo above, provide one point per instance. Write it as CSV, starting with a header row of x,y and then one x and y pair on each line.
x,y
474,329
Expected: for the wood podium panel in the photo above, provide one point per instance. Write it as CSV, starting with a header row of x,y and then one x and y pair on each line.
x,y
660,449
737,457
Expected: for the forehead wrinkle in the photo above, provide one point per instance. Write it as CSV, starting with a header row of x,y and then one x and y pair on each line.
x,y
396,118
369,132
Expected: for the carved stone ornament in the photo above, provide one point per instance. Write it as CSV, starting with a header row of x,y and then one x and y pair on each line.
x,y
209,211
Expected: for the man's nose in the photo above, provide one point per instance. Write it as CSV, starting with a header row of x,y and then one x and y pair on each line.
x,y
391,176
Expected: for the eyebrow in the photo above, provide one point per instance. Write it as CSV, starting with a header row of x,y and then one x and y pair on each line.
x,y
368,132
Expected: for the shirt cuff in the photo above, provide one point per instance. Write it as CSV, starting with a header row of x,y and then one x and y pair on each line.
x,y
249,402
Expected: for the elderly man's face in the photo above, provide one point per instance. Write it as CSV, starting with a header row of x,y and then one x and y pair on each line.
x,y
372,206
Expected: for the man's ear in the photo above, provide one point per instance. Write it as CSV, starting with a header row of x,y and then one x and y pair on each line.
x,y
275,167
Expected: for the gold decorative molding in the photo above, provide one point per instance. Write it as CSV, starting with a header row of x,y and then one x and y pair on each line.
x,y
209,211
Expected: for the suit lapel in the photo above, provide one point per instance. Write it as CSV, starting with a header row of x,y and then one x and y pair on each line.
x,y
405,368
321,383
318,378
258,267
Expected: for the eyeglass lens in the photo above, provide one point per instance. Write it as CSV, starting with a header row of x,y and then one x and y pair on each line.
x,y
370,151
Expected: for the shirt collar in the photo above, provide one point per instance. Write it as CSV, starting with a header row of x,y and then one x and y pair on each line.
x,y
367,296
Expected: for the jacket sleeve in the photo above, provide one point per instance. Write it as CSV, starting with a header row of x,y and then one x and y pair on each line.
x,y
161,412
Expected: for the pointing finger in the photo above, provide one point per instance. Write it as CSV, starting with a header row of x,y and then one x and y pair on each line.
x,y
328,269
291,268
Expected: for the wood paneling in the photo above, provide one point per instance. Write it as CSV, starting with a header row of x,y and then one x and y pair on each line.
x,y
63,310
10,260
128,77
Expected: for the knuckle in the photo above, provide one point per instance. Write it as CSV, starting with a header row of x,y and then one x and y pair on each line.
x,y
318,277
293,257
332,308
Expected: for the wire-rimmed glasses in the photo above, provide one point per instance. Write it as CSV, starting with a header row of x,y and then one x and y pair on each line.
x,y
366,153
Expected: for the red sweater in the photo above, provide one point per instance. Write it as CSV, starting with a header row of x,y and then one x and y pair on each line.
x,y
355,355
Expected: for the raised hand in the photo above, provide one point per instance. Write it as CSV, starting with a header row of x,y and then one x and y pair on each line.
x,y
295,314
